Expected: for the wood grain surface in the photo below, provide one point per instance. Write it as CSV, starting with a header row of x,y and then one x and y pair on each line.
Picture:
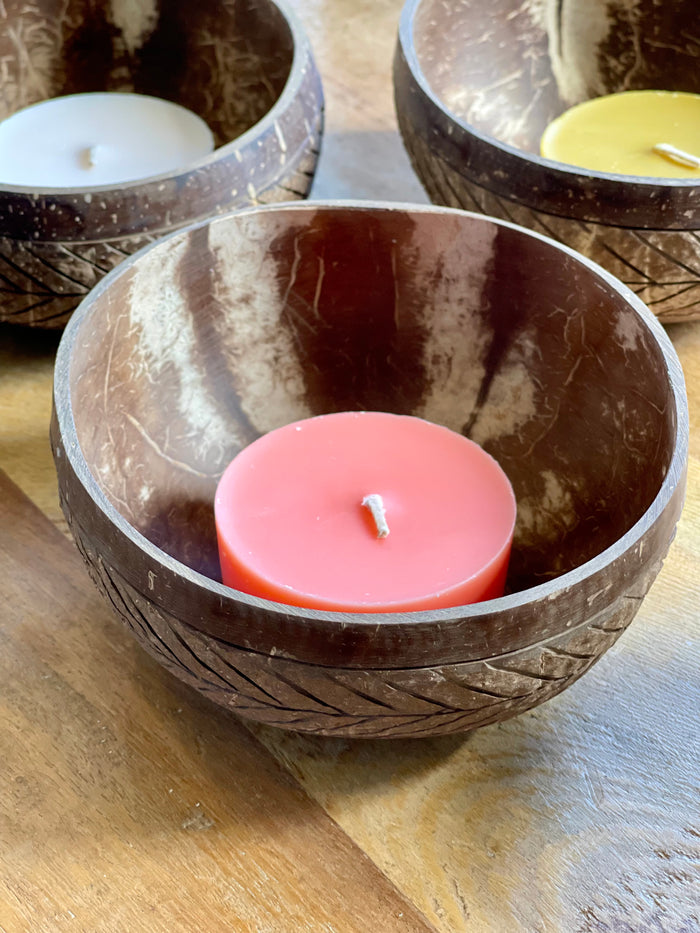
x,y
128,804
581,817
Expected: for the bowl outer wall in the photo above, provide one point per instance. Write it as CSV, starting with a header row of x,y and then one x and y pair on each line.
x,y
395,640
527,178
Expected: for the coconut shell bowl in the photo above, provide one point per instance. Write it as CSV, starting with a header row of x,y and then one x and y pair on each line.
x,y
225,330
477,83
244,66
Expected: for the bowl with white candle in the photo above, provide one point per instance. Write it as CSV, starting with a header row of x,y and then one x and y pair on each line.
x,y
379,386
123,125
579,120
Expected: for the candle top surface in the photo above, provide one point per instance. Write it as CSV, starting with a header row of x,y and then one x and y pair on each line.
x,y
617,133
98,139
293,508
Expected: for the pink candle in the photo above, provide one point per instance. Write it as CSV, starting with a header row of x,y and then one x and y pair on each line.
x,y
365,512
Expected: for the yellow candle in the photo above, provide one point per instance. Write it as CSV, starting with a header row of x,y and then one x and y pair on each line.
x,y
632,133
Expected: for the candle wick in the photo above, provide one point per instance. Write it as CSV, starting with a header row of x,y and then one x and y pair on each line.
x,y
89,156
375,504
679,156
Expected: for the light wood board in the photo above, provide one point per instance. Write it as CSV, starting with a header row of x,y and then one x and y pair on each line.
x,y
126,802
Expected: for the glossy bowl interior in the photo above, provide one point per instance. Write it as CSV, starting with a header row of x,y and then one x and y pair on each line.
x,y
508,69
229,329
226,61
253,322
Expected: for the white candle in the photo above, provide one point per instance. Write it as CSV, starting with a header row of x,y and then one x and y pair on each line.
x,y
99,139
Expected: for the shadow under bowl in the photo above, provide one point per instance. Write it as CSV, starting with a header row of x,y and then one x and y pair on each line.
x,y
226,330
475,87
244,66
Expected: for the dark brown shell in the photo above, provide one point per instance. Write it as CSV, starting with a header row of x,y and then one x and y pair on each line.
x,y
244,66
475,86
229,329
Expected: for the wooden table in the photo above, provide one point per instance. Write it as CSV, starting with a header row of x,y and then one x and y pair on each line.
x,y
128,803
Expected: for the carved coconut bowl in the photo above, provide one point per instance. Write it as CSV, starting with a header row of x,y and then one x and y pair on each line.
x,y
220,332
244,66
475,86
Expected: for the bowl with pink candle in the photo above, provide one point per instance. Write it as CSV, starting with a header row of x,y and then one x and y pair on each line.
x,y
233,344
138,121
477,86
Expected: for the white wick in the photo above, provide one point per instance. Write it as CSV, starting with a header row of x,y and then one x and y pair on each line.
x,y
679,156
375,504
89,156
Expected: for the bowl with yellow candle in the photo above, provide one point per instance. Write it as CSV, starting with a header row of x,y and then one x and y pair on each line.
x,y
578,120
211,353
122,125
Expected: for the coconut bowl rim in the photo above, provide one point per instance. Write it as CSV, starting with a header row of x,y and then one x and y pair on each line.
x,y
301,51
341,623
561,170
